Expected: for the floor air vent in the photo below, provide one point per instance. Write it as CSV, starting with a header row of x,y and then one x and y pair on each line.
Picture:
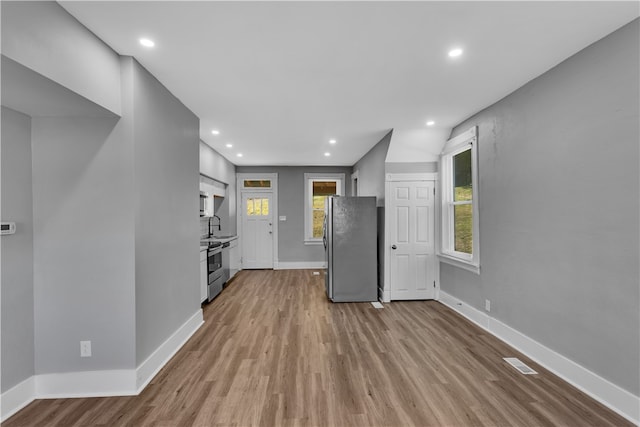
x,y
376,304
519,365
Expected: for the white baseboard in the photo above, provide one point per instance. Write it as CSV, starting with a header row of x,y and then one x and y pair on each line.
x,y
304,265
116,382
386,295
476,316
156,361
17,397
617,399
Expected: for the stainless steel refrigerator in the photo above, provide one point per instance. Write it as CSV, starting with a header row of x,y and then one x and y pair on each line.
x,y
350,242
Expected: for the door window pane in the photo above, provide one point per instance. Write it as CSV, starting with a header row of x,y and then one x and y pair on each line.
x,y
462,176
257,183
463,228
257,207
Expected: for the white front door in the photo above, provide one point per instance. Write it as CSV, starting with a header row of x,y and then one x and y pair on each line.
x,y
257,230
412,240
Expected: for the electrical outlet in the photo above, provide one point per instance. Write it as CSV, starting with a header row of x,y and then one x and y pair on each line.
x,y
85,348
316,273
487,305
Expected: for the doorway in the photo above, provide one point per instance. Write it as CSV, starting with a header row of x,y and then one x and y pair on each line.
x,y
257,220
410,250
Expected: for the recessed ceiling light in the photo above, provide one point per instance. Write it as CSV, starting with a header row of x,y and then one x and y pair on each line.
x,y
453,53
239,154
147,43
332,141
431,123
327,154
229,145
215,132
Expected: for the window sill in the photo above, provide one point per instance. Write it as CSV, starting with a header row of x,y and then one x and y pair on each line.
x,y
313,242
457,262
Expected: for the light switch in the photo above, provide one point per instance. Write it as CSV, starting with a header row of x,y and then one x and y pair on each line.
x,y
283,218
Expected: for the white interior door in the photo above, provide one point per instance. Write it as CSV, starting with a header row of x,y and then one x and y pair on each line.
x,y
257,230
412,240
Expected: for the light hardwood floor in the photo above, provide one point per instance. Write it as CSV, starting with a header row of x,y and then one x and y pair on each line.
x,y
274,352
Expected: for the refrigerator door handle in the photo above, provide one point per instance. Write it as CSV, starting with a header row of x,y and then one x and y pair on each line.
x,y
324,232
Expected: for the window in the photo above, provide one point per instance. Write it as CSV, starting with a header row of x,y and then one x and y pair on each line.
x,y
258,207
256,183
460,238
317,188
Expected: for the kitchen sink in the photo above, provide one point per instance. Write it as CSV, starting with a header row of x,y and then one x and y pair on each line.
x,y
224,237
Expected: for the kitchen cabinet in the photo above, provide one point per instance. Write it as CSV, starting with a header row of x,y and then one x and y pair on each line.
x,y
234,257
212,187
203,274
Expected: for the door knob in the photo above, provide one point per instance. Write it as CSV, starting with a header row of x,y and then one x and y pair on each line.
x,y
394,247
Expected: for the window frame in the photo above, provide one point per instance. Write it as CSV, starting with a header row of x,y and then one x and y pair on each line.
x,y
466,141
309,179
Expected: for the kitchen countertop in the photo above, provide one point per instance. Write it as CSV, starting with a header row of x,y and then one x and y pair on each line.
x,y
222,239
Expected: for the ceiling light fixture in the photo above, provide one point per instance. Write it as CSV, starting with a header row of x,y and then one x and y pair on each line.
x,y
431,123
229,145
327,154
147,43
239,154
215,132
454,53
332,141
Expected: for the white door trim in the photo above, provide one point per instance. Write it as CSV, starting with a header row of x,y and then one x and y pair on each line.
x,y
427,176
355,183
395,177
240,177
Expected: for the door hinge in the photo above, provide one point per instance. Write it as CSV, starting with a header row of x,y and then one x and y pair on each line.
x,y
434,283
434,191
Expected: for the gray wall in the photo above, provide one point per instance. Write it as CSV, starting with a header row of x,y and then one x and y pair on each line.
x,y
42,36
291,247
167,231
371,182
214,165
83,244
114,202
17,250
370,169
558,164
83,264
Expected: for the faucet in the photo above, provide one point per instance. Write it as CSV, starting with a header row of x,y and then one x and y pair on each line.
x,y
219,225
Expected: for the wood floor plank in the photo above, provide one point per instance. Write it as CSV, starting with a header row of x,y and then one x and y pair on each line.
x,y
275,352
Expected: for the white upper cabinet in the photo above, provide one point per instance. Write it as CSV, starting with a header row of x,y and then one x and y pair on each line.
x,y
212,187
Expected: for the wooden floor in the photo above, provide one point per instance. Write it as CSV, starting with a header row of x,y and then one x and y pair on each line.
x,y
274,352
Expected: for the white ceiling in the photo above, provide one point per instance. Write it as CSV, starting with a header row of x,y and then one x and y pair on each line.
x,y
279,79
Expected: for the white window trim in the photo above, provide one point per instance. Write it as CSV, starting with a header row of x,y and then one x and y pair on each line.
x,y
446,254
309,178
